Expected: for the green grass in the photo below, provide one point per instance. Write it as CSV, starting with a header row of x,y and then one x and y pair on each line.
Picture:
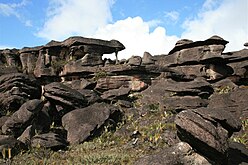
x,y
243,136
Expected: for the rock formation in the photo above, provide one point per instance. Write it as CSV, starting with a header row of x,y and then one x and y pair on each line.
x,y
64,93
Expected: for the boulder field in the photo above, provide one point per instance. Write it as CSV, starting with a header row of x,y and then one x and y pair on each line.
x,y
64,93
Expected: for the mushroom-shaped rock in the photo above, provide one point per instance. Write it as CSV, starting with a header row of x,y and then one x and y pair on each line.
x,y
186,44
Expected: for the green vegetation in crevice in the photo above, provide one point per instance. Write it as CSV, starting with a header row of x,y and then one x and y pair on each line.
x,y
58,65
100,74
223,89
242,137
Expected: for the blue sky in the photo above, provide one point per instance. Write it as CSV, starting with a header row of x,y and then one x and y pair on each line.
x,y
141,25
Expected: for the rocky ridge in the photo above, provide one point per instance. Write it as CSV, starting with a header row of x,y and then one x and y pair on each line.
x,y
64,93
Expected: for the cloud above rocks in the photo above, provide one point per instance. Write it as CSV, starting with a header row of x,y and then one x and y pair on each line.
x,y
93,18
226,18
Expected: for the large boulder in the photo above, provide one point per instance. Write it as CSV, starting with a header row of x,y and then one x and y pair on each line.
x,y
16,89
207,131
84,123
22,118
65,96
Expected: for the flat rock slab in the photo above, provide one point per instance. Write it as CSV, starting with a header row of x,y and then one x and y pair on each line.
x,y
207,130
65,96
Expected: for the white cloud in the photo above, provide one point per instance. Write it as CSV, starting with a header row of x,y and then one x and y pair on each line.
x,y
7,10
229,20
92,18
74,17
210,4
11,9
173,16
135,34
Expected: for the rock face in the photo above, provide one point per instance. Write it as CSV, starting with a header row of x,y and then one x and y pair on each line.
x,y
207,130
73,93
16,89
84,123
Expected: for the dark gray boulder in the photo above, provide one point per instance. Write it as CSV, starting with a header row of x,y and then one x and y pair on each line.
x,y
207,131
22,118
65,96
82,124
